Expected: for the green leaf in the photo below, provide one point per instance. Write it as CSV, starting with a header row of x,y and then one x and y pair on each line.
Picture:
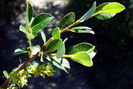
x,y
61,50
67,20
80,47
89,13
20,51
40,21
83,58
6,74
30,35
29,12
43,36
56,33
41,59
82,29
103,16
35,49
65,65
22,29
53,45
92,52
61,63
113,8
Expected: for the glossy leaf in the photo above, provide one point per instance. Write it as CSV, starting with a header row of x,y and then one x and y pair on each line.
x,y
40,21
67,20
92,52
43,36
89,13
113,8
6,74
61,63
80,47
41,59
30,35
56,33
29,12
20,51
61,50
22,29
35,49
53,45
83,58
103,16
82,29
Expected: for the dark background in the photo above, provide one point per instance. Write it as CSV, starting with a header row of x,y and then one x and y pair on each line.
x,y
113,64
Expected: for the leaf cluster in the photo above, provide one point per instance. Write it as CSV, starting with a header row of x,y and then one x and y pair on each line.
x,y
53,49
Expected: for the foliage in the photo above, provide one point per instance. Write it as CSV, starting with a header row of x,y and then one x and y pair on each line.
x,y
54,49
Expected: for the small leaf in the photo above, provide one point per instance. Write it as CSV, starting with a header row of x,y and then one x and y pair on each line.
x,y
35,49
113,8
61,50
82,29
92,52
53,45
20,51
6,74
22,29
43,36
83,58
67,20
56,33
41,59
40,21
61,63
80,47
29,12
89,13
65,65
30,35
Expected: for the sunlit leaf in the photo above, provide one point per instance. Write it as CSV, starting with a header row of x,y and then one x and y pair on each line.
x,y
89,13
6,74
43,36
113,8
61,50
83,58
67,20
35,49
20,51
56,33
29,12
22,29
82,29
53,45
80,47
41,59
61,63
103,15
40,21
92,52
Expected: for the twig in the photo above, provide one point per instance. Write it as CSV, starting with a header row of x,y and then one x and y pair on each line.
x,y
30,59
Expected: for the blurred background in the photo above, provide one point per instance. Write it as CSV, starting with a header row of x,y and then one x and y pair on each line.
x,y
113,64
